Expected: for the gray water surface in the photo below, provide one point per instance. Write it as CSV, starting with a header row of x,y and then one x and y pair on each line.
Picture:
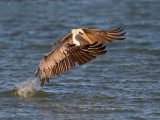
x,y
124,84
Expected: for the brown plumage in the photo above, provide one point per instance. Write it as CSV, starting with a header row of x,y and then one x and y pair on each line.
x,y
79,46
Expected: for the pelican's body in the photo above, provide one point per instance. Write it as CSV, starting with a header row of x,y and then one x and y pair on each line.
x,y
79,46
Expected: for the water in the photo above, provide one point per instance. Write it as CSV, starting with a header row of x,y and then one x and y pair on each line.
x,y
121,85
26,88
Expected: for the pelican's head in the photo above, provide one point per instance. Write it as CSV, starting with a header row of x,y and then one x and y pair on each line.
x,y
81,33
77,31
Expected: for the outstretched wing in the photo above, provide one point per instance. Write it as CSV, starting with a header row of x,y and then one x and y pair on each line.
x,y
62,56
104,36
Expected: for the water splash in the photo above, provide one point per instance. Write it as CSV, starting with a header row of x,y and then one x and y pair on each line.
x,y
26,88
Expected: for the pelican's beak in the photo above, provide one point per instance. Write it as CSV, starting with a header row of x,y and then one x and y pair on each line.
x,y
86,38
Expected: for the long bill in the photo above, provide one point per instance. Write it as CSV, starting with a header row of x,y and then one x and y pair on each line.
x,y
86,38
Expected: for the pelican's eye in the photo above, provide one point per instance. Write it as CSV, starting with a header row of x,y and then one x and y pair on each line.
x,y
80,33
45,56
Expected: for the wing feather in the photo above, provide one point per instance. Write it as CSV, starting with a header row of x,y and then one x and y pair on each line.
x,y
78,58
81,58
72,64
104,36
64,66
85,57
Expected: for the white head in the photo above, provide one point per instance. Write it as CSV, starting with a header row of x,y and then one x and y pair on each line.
x,y
74,33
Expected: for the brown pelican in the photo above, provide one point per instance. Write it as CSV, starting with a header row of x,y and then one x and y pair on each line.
x,y
79,46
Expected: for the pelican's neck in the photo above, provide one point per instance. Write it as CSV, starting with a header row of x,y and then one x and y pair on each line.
x,y
74,31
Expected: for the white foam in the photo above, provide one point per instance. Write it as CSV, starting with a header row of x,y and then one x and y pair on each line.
x,y
26,88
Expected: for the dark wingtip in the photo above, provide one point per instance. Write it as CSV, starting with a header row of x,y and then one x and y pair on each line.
x,y
94,43
119,29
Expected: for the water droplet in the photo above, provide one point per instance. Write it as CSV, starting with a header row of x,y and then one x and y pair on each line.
x,y
26,88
